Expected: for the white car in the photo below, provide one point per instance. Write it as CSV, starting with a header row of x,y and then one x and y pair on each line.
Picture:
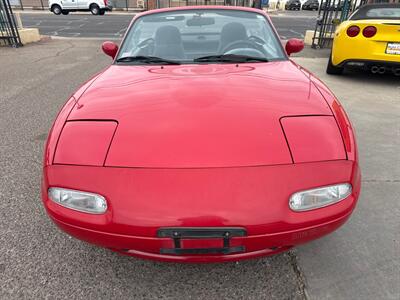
x,y
96,7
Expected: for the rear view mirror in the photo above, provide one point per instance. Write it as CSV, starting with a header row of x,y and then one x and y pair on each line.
x,y
110,48
294,46
200,21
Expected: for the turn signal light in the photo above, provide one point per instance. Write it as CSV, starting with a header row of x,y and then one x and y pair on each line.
x,y
353,31
369,31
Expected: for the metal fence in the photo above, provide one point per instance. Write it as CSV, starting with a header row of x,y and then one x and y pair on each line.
x,y
175,3
8,27
331,14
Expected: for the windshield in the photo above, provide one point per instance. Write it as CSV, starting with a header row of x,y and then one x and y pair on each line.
x,y
200,35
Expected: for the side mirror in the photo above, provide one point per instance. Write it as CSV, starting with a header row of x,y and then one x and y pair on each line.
x,y
110,48
294,46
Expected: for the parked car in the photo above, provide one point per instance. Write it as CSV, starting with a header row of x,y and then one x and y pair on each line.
x,y
194,149
96,7
339,6
310,5
293,5
333,5
369,39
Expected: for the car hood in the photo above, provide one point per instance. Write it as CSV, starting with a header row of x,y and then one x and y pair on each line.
x,y
192,116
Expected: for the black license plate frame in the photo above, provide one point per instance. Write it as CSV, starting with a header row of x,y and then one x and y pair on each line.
x,y
177,234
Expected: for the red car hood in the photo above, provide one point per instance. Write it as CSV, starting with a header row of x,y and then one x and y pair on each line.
x,y
199,115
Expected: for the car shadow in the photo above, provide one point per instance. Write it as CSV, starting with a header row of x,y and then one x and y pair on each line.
x,y
367,77
256,278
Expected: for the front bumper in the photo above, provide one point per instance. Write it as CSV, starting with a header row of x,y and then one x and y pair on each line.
x,y
141,201
149,248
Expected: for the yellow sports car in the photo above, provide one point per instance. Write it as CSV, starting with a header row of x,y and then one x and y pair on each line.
x,y
369,39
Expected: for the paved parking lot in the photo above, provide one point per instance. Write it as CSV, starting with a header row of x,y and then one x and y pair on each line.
x,y
359,261
290,24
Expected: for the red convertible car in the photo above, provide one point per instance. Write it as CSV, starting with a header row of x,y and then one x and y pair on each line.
x,y
201,142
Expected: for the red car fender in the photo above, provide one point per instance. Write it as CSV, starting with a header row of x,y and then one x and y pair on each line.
x,y
55,131
62,116
343,121
346,129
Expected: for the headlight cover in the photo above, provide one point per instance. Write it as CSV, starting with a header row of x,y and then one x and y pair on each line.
x,y
84,143
319,197
77,200
313,138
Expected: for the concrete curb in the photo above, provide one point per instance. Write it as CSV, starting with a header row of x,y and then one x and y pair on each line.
x,y
308,38
54,37
29,35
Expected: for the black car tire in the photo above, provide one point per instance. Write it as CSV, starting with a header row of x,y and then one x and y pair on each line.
x,y
56,9
333,70
94,9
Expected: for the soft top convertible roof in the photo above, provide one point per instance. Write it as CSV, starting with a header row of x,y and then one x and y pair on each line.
x,y
390,11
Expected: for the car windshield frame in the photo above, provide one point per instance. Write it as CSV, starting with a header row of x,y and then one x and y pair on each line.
x,y
278,47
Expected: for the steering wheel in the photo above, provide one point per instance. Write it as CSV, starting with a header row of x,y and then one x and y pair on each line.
x,y
257,40
242,44
147,43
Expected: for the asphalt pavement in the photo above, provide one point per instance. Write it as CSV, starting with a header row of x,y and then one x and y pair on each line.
x,y
291,24
358,261
37,260
361,260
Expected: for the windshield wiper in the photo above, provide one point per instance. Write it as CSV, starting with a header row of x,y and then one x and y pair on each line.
x,y
148,60
235,58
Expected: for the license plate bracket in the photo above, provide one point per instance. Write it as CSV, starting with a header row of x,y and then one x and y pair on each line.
x,y
393,48
180,233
